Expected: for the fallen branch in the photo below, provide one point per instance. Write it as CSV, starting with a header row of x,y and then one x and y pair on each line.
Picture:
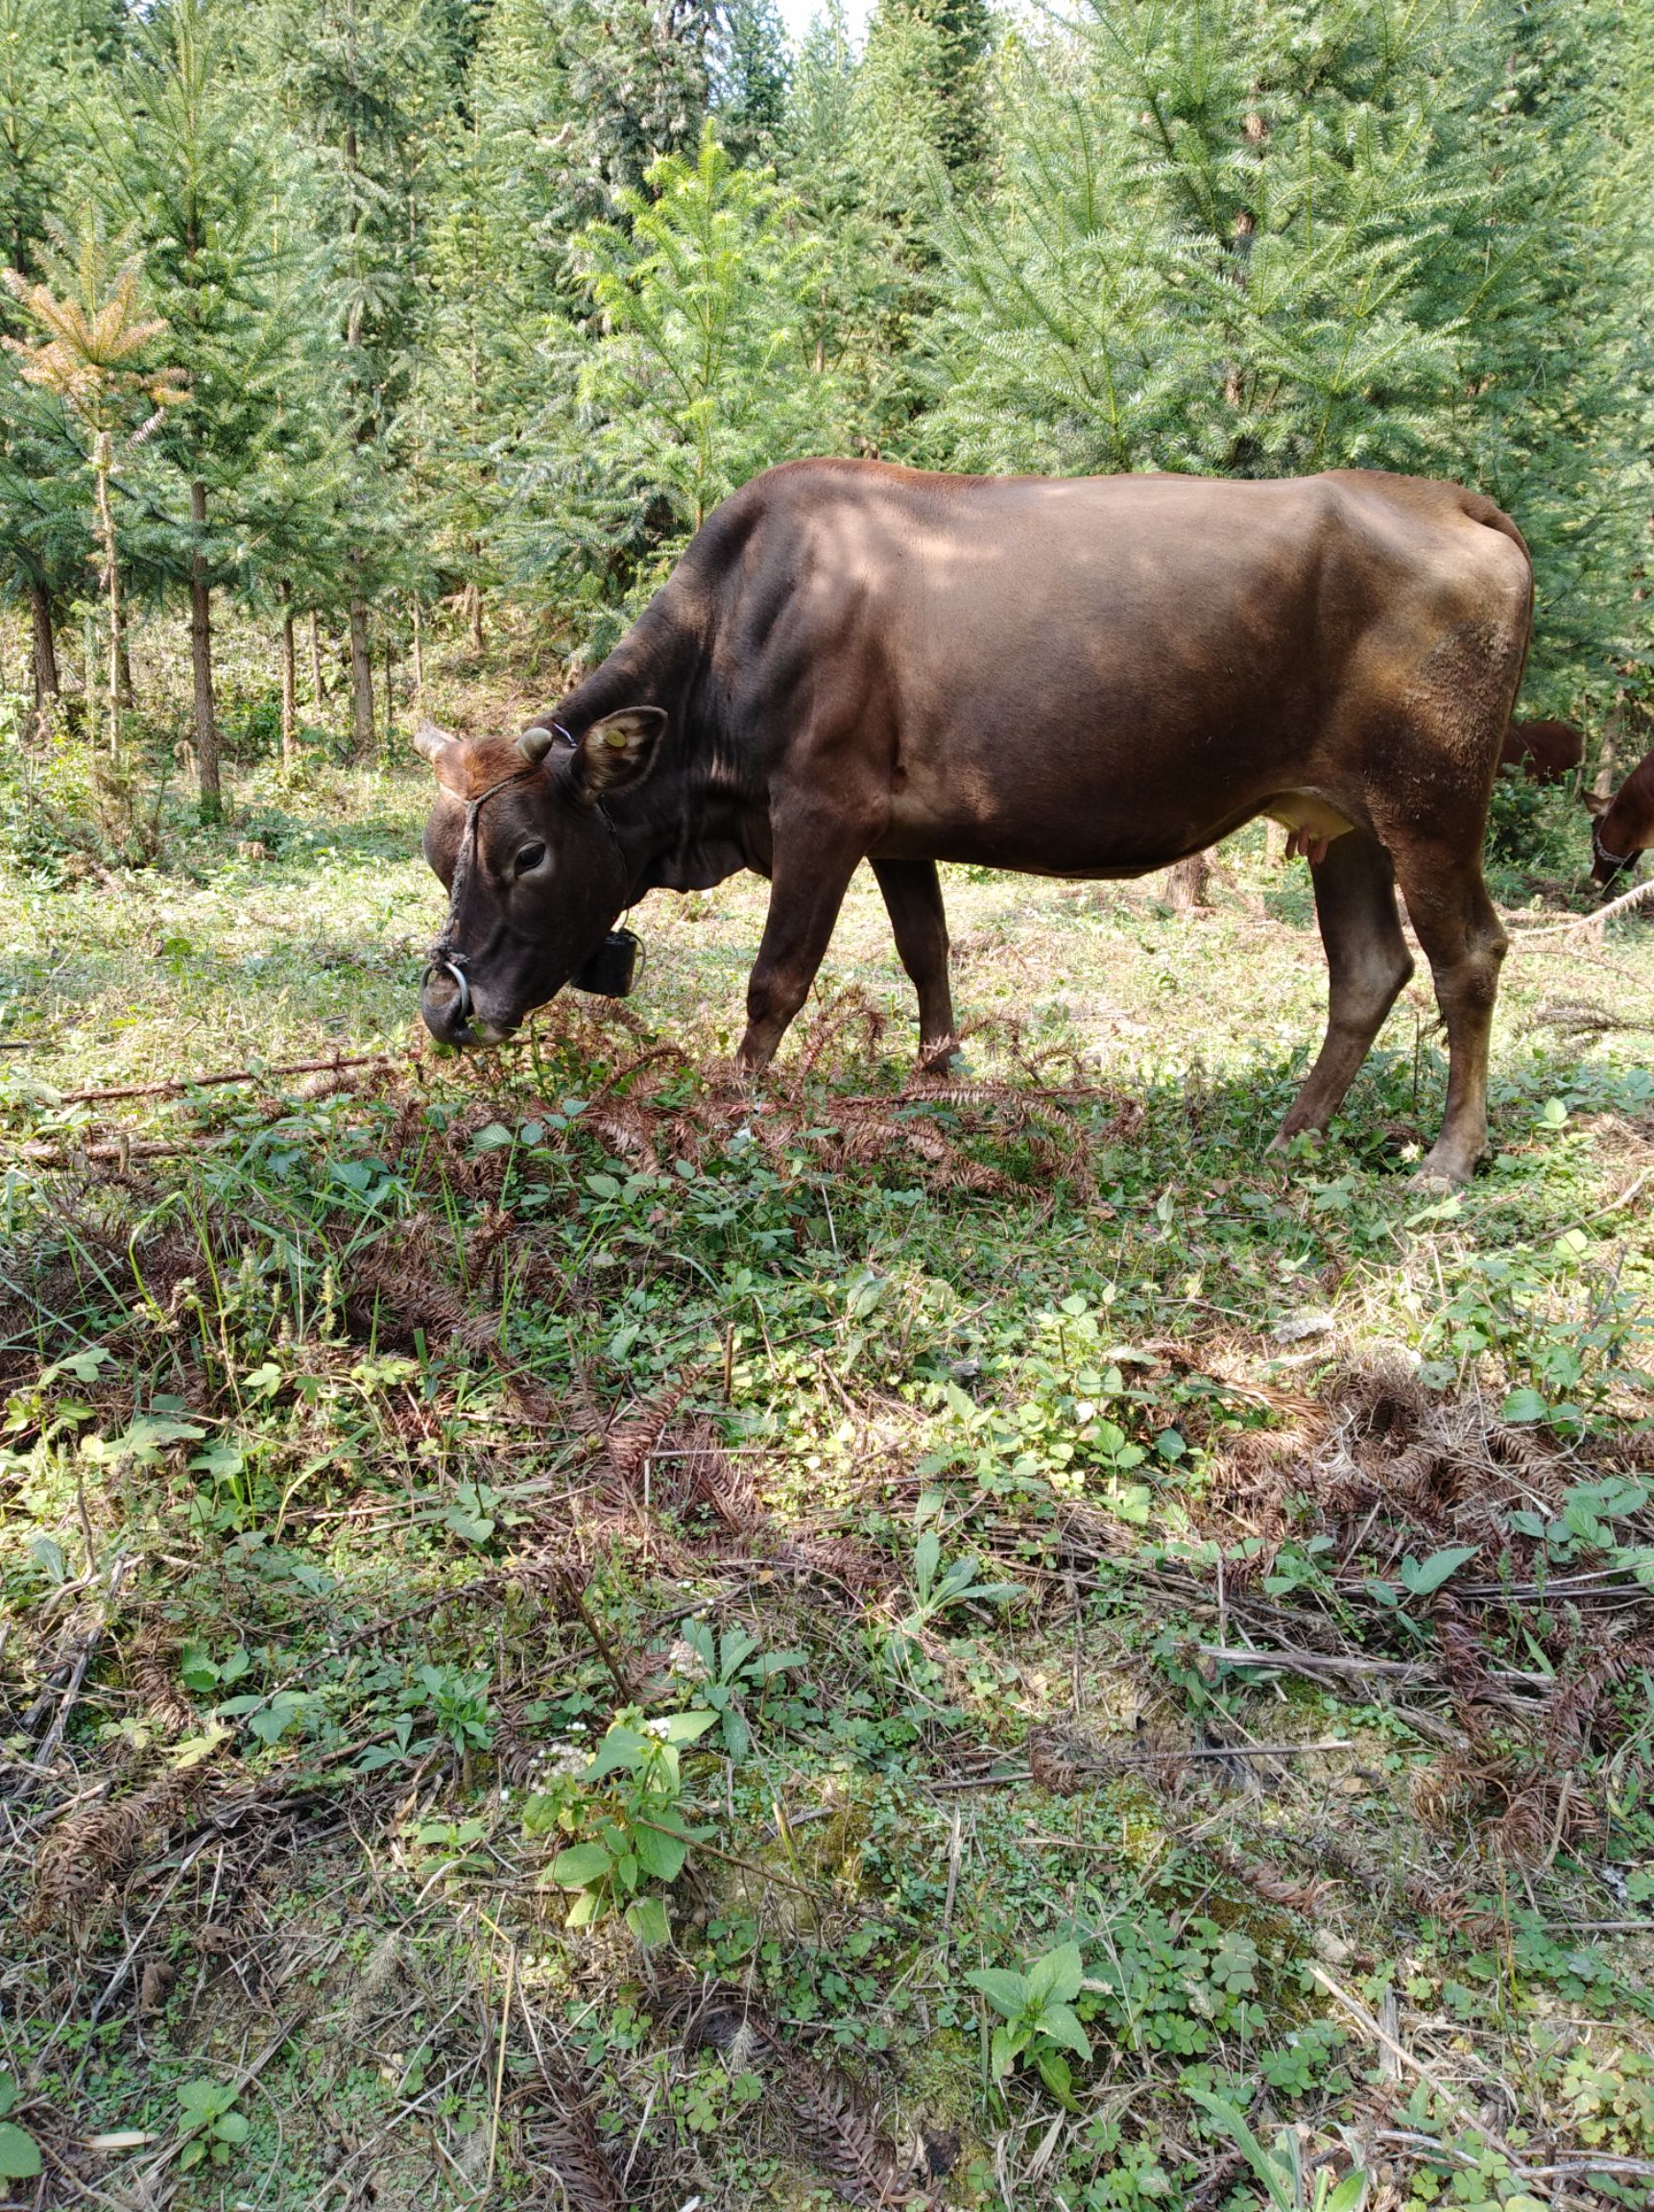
x,y
120,1149
1107,1766
66,1684
179,1084
1639,897
1314,1663
1609,2162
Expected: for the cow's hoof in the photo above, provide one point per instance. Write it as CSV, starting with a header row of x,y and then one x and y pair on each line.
x,y
1284,1140
1441,1176
942,1056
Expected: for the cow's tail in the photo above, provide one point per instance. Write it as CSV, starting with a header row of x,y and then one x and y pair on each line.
x,y
1493,518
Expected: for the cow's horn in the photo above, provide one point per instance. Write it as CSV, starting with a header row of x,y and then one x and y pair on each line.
x,y
536,742
431,741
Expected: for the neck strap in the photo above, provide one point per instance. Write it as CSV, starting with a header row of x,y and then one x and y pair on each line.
x,y
1614,859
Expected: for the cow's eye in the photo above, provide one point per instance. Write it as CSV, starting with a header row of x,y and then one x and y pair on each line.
x,y
528,857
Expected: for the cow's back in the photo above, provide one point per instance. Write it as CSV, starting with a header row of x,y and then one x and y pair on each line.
x,y
1074,674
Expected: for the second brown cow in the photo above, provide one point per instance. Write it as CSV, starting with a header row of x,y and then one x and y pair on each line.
x,y
1546,752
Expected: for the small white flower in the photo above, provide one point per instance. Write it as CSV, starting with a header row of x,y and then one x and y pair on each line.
x,y
684,1659
661,1728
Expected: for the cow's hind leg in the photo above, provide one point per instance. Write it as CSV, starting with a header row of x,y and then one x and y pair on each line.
x,y
1367,965
1460,932
913,898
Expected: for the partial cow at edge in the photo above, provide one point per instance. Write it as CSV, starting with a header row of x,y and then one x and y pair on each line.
x,y
1624,828
1545,752
1083,678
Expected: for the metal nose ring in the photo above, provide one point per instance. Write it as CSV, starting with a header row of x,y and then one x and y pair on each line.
x,y
452,968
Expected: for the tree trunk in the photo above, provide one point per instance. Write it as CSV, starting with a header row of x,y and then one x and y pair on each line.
x,y
1186,885
289,679
389,672
418,661
1603,784
103,459
201,664
361,681
474,616
316,662
123,665
1274,842
46,682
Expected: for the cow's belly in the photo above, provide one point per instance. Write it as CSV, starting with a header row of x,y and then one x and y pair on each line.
x,y
1114,791
1122,840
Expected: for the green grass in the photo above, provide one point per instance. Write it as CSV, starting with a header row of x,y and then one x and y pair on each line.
x,y
372,1449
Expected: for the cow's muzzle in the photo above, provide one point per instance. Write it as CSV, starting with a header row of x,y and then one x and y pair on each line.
x,y
446,1002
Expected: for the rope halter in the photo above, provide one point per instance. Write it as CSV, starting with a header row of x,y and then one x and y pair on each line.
x,y
445,958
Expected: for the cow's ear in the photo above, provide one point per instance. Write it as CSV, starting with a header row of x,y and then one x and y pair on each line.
x,y
445,751
618,751
1595,801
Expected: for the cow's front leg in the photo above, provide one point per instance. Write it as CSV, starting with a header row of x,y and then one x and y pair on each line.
x,y
913,899
809,874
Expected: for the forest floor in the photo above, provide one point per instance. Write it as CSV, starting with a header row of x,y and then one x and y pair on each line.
x,y
1118,1664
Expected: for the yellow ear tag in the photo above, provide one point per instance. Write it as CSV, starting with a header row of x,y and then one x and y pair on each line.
x,y
614,738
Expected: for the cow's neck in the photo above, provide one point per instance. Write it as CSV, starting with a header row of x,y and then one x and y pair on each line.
x,y
1628,826
699,816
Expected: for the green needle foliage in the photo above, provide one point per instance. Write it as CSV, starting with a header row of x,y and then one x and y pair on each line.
x,y
703,374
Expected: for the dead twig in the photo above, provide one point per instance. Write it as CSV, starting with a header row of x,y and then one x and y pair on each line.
x,y
179,1085
1170,1755
1364,2020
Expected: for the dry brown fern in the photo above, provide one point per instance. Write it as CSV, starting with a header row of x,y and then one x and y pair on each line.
x,y
88,1853
1050,1770
149,1670
1268,1881
848,1010
835,2122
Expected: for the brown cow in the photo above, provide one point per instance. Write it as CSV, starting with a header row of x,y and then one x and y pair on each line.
x,y
1546,752
1082,678
1624,828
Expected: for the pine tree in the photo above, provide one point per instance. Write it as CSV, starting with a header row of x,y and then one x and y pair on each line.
x,y
925,73
97,359
366,83
1263,237
639,84
187,163
694,375
864,175
47,50
750,74
509,187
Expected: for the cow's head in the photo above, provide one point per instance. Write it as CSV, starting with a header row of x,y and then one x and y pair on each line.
x,y
531,863
1608,860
